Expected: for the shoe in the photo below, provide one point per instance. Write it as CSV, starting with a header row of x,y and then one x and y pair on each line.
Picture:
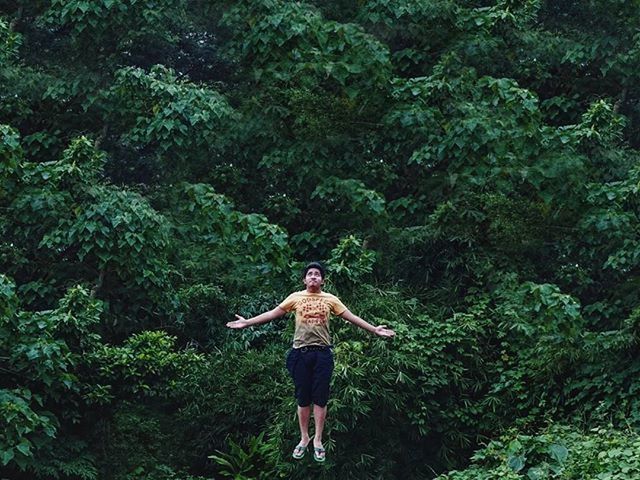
x,y
299,451
319,454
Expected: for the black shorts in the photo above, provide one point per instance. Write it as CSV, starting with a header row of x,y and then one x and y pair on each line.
x,y
311,369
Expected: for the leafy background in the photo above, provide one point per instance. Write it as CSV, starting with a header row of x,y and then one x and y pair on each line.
x,y
469,171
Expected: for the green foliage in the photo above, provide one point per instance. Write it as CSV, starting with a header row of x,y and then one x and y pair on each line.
x,y
71,460
210,220
9,42
467,170
352,197
107,20
41,354
145,365
159,110
89,231
10,156
604,387
22,426
135,444
350,262
487,134
559,452
288,42
255,461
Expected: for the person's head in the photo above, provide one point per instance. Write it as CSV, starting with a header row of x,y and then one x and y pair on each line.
x,y
316,265
313,275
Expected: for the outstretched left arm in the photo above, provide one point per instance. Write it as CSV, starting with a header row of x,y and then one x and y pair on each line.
x,y
380,330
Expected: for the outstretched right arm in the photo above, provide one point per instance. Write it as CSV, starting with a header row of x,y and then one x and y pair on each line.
x,y
265,317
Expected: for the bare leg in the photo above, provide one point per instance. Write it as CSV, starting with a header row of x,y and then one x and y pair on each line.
x,y
303,420
319,415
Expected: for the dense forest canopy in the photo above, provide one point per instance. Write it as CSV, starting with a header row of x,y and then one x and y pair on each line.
x,y
469,172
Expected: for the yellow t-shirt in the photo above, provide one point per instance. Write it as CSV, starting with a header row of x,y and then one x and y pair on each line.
x,y
312,316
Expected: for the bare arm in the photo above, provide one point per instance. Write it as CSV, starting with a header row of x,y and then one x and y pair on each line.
x,y
380,330
265,317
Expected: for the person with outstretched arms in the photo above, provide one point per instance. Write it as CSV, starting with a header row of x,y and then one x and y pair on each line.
x,y
310,361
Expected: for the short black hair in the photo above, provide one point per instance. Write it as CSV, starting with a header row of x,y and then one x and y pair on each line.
x,y
311,265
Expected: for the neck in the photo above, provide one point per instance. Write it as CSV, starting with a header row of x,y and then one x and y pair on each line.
x,y
314,289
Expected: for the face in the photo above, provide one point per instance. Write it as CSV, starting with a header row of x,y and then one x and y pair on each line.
x,y
313,278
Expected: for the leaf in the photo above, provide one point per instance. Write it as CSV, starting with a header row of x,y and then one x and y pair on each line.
x,y
558,452
24,448
7,456
516,463
536,473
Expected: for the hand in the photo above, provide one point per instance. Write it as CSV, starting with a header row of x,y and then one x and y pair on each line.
x,y
383,331
241,322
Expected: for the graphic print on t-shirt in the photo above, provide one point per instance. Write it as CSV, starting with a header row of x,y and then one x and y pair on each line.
x,y
315,311
312,316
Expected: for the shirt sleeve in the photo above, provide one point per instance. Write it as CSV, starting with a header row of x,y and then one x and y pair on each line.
x,y
288,303
337,306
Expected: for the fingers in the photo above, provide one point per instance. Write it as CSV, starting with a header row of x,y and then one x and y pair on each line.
x,y
383,331
235,323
